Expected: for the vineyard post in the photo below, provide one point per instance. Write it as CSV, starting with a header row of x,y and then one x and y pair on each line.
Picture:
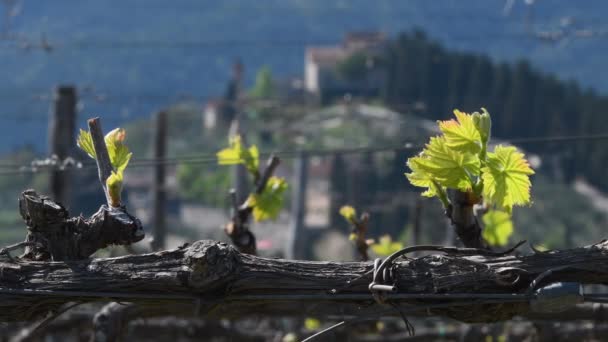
x,y
160,194
239,172
337,190
62,124
298,207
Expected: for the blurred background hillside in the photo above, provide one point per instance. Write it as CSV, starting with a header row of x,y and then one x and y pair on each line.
x,y
356,84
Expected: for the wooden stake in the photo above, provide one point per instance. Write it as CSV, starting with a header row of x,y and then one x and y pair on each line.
x,y
298,207
160,194
61,139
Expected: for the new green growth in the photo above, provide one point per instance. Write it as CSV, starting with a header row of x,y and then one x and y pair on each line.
x,y
119,158
268,203
459,159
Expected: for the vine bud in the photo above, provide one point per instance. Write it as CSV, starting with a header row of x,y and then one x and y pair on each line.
x,y
476,118
483,124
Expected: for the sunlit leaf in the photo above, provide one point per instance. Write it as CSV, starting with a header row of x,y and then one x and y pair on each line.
x,y
386,246
422,179
268,204
349,213
117,150
449,168
506,178
312,323
498,227
236,153
252,159
230,155
85,142
461,134
117,135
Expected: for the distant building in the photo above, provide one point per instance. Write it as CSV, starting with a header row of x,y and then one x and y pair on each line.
x,y
320,64
218,114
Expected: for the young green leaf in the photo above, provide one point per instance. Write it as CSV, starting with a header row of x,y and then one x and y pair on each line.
x,y
268,204
461,135
506,178
236,153
117,150
449,168
386,246
85,142
349,213
419,177
252,159
119,158
312,323
233,154
498,227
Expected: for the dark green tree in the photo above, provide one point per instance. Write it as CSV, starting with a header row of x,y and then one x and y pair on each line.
x,y
264,87
480,84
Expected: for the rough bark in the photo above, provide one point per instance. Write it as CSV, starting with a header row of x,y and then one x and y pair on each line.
x,y
359,228
215,280
53,235
463,219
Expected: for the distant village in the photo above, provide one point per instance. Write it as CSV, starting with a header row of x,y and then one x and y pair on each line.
x,y
336,100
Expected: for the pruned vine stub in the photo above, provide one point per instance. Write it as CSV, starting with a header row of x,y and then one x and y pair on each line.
x,y
59,237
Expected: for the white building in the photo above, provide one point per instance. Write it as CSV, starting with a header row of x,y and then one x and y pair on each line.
x,y
320,63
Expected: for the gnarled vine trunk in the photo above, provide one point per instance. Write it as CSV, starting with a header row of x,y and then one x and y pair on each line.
x,y
214,280
54,235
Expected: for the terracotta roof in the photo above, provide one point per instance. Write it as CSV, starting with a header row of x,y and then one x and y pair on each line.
x,y
354,41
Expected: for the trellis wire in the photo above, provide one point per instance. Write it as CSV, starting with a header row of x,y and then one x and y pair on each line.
x,y
211,158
